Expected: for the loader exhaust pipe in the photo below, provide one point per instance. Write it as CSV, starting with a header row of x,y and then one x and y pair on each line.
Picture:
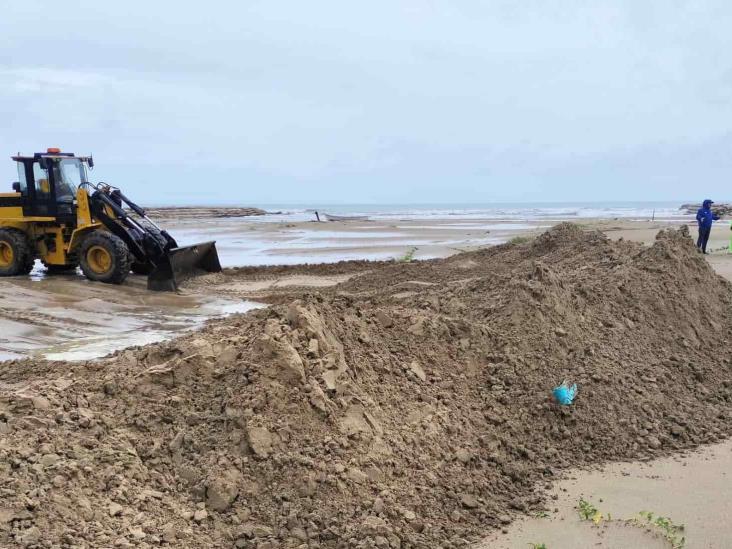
x,y
182,263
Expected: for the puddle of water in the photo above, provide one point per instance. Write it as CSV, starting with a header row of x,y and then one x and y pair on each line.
x,y
356,235
245,241
162,328
243,246
88,348
69,318
6,355
475,226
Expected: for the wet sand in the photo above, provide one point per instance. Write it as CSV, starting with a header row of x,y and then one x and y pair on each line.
x,y
266,241
67,317
718,247
71,318
645,231
693,490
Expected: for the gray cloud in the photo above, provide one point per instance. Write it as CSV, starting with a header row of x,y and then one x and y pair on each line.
x,y
381,101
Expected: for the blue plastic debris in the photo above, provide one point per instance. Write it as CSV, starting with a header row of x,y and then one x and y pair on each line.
x,y
564,394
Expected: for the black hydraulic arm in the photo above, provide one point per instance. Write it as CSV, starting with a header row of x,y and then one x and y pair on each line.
x,y
117,194
134,207
116,226
143,244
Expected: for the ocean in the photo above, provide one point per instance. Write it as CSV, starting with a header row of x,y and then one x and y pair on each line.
x,y
529,211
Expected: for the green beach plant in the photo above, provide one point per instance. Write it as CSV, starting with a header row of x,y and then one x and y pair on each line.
x,y
408,256
587,511
519,240
673,533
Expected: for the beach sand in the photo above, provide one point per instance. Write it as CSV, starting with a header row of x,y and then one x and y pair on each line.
x,y
718,246
388,404
44,316
248,241
692,489
67,317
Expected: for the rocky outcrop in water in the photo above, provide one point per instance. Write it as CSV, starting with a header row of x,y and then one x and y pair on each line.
x,y
721,209
201,212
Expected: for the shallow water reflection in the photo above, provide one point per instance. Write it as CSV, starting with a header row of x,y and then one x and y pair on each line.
x,y
66,317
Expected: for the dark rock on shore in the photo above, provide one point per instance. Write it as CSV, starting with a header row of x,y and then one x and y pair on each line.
x,y
721,209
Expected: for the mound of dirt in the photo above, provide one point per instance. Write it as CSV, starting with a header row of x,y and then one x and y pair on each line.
x,y
405,408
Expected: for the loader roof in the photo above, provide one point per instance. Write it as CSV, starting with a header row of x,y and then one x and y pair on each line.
x,y
38,155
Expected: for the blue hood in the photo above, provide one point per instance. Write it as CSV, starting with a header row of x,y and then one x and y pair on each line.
x,y
705,216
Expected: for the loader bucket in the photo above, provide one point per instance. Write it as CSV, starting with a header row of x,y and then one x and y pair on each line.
x,y
182,263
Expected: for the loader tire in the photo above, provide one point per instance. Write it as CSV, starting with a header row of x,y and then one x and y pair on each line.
x,y
16,253
104,257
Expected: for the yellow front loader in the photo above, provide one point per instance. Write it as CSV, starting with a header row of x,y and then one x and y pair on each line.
x,y
56,215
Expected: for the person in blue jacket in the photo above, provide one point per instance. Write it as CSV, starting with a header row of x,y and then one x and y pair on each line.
x,y
705,216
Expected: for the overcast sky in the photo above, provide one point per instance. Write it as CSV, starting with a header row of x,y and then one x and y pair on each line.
x,y
386,101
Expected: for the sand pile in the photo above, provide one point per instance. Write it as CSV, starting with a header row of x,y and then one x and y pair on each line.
x,y
407,407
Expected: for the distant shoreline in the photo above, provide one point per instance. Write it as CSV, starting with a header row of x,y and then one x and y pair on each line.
x,y
200,212
526,212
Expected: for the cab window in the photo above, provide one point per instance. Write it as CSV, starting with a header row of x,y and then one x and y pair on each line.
x,y
22,180
68,175
41,182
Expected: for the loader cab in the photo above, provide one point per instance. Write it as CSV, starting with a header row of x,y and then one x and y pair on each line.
x,y
48,183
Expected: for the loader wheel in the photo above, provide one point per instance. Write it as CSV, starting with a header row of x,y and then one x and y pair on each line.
x,y
104,257
16,256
